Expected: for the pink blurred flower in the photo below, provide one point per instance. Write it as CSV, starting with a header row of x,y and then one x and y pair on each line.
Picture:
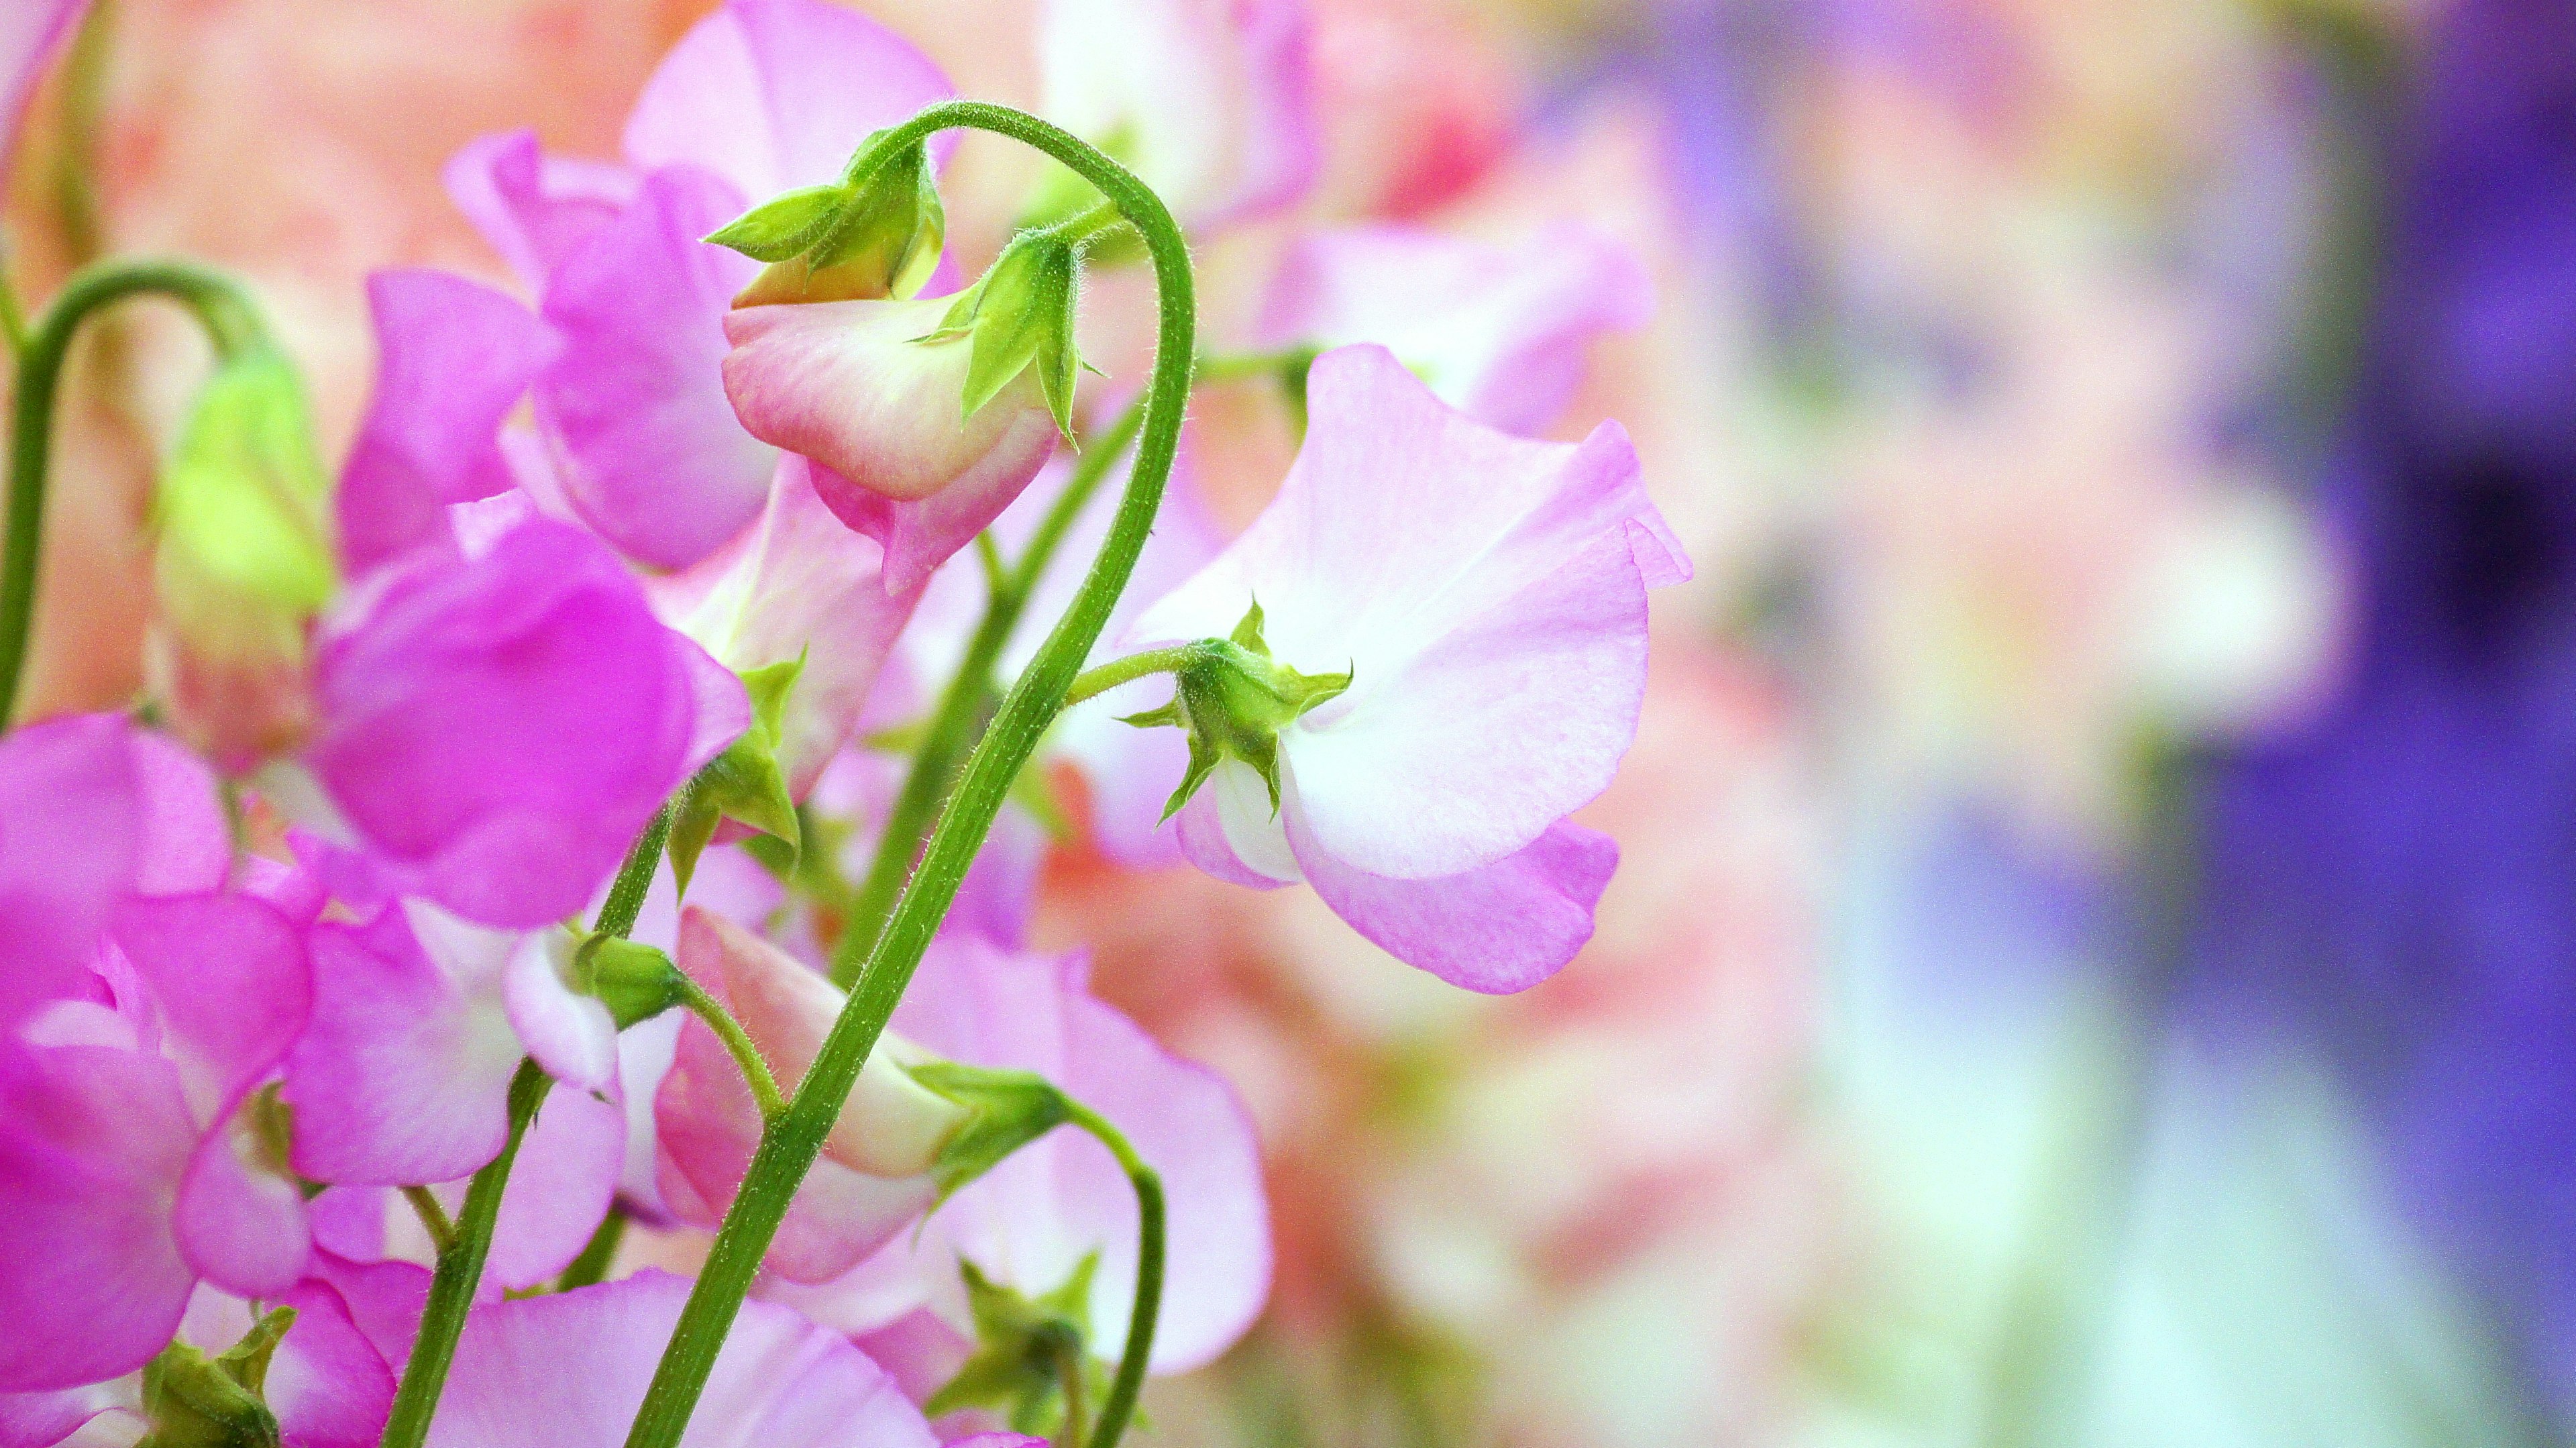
x,y
569,1371
1500,334
496,729
1489,597
30,32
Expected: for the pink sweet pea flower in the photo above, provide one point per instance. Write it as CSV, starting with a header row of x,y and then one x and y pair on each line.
x,y
129,1164
796,584
496,729
1031,1221
1208,101
328,1383
1499,333
569,1371
419,1022
1488,596
857,387
761,96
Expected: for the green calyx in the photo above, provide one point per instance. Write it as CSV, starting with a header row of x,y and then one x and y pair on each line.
x,y
199,1402
1020,315
744,783
635,981
242,553
1233,699
1032,1361
874,234
1006,1111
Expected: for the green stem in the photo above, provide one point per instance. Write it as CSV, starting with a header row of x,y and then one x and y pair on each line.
x,y
1094,682
945,741
460,1263
460,1269
755,1071
789,1146
231,323
1121,1402
433,1217
596,1255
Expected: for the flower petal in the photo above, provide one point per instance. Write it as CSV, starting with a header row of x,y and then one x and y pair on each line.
x,y
560,1186
72,835
1500,928
229,982
533,208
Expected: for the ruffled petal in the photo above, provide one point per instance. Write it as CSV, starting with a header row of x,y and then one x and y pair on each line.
x,y
229,983
72,834
533,208
1502,928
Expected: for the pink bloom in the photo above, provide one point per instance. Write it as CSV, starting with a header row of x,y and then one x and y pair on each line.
x,y
496,729
129,1167
762,96
1032,1220
881,412
1208,101
419,1021
1499,334
796,584
30,32
569,1371
1489,597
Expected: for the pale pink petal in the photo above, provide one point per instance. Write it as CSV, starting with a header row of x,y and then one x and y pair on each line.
x,y
1203,841
93,1142
42,1420
403,1077
569,1370
776,94
1499,333
560,1186
1501,928
384,1300
571,1035
634,403
533,208
328,1384
453,357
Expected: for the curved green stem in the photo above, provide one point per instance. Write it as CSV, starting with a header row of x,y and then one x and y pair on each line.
x,y
596,1254
433,1217
1093,682
1120,1405
946,739
460,1268
231,323
755,1071
460,1260
789,1146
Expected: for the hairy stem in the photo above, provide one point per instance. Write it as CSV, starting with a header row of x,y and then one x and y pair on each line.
x,y
790,1144
231,323
433,1217
1120,1405
1091,683
737,1042
945,741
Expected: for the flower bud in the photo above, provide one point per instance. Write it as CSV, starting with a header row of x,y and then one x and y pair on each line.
x,y
199,1402
875,239
1020,315
242,561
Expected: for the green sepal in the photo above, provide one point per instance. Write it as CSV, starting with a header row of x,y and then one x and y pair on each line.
x,y
1022,1346
1021,316
241,517
785,226
1233,699
1007,1110
635,981
744,783
199,1402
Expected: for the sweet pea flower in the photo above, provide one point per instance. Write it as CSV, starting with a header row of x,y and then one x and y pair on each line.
x,y
760,97
134,1159
495,727
1029,1223
1487,598
569,1370
419,1021
1208,101
1498,332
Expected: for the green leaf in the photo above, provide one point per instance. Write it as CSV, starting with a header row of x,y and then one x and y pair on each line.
x,y
786,226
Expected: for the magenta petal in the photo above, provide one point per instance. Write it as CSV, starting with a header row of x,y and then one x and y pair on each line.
x,y
634,403
533,208
571,1035
42,1420
242,1227
72,835
1499,929
452,358
569,1371
384,1299
93,1142
501,728
776,94
329,1386
403,1076
231,984
187,842
560,1186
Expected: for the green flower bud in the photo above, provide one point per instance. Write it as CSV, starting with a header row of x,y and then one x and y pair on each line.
x,y
198,1402
635,981
1233,699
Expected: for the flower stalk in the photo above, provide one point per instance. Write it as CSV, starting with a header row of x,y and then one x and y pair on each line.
x,y
791,1143
1120,1405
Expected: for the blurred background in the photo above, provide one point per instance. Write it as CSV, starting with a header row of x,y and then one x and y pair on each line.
x,y
2095,957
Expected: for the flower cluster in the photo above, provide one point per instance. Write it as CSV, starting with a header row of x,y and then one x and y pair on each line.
x,y
606,812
